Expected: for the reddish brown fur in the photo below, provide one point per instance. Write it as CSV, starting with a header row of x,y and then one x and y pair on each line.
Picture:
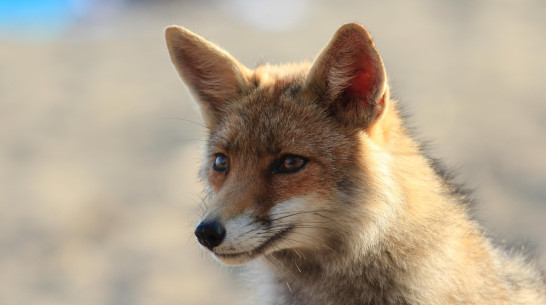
x,y
367,220
288,135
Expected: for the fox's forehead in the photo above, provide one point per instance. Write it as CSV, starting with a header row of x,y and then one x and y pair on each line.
x,y
275,120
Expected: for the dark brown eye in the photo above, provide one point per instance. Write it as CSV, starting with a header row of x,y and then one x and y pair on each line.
x,y
289,164
221,163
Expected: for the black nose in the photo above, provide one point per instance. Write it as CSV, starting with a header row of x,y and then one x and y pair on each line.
x,y
210,234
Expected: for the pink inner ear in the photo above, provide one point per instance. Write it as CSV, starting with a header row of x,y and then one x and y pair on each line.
x,y
362,85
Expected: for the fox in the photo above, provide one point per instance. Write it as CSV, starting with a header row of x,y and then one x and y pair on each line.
x,y
314,182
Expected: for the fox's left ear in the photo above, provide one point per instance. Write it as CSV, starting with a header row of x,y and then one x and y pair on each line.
x,y
350,77
213,76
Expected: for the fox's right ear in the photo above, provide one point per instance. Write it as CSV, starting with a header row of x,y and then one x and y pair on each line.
x,y
349,77
213,76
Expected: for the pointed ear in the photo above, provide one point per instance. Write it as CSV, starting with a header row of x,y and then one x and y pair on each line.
x,y
350,78
212,75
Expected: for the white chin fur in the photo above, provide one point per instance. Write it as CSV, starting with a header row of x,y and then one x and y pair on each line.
x,y
234,260
246,238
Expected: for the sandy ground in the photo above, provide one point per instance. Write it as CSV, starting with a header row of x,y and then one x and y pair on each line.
x,y
98,188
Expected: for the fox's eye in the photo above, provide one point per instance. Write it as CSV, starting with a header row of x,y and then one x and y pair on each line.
x,y
221,163
289,164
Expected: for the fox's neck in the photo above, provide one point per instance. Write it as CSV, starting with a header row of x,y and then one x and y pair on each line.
x,y
305,278
381,274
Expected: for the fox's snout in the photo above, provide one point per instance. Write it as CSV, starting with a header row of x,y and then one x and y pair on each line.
x,y
210,233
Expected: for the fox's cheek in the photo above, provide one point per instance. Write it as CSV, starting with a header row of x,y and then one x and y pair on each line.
x,y
308,181
217,180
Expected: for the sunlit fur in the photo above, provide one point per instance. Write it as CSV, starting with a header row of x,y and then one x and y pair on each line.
x,y
367,220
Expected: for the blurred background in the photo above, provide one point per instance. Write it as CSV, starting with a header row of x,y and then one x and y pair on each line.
x,y
98,158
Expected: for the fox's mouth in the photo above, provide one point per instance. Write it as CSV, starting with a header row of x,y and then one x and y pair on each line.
x,y
248,255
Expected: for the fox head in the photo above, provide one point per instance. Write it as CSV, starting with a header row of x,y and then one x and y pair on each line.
x,y
296,153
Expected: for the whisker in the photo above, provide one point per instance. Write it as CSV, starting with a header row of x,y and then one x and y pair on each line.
x,y
185,120
304,226
270,259
297,267
314,238
288,285
301,257
296,241
300,213
331,219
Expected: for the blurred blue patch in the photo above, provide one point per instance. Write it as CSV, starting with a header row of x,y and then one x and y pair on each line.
x,y
36,18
